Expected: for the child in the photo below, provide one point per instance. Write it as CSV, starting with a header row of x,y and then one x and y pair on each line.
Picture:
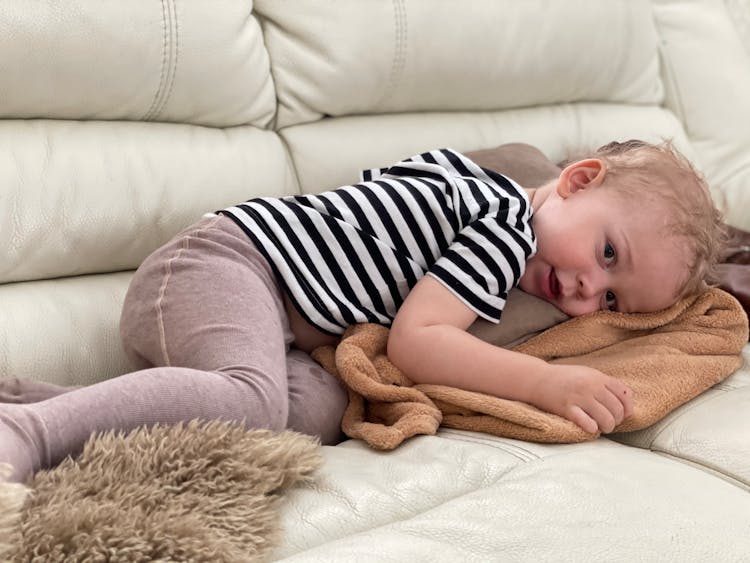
x,y
425,246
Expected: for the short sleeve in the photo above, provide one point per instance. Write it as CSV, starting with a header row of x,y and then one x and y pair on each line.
x,y
372,174
485,261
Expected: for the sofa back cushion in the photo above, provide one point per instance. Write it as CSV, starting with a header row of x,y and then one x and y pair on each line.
x,y
343,58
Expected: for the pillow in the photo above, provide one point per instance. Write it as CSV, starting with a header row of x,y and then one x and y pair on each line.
x,y
524,163
524,315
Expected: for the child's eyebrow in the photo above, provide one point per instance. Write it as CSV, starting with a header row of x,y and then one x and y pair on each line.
x,y
623,252
625,261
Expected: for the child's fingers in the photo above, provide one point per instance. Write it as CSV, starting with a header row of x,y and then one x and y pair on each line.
x,y
613,404
623,393
578,416
606,420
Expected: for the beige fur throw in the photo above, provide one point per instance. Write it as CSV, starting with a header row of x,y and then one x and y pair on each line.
x,y
203,492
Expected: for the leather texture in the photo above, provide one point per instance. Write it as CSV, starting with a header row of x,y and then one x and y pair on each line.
x,y
93,196
123,122
370,141
700,41
426,61
460,496
141,61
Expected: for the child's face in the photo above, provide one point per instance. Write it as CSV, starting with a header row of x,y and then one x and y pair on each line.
x,y
598,251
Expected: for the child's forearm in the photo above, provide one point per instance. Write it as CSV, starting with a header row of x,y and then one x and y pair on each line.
x,y
429,344
447,355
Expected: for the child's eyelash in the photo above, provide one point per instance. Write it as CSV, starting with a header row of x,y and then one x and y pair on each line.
x,y
610,254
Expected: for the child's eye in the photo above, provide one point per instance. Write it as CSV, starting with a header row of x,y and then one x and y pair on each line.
x,y
610,300
609,253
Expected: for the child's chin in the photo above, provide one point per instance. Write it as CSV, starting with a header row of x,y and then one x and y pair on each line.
x,y
553,302
539,294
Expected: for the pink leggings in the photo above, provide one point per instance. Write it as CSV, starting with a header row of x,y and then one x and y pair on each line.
x,y
205,326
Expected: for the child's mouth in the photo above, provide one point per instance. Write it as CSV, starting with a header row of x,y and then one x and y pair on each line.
x,y
554,284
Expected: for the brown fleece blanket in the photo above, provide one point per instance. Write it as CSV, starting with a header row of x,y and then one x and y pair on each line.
x,y
667,358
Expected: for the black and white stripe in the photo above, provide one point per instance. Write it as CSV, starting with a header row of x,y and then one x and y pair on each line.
x,y
352,254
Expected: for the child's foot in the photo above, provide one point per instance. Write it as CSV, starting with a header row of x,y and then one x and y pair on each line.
x,y
18,446
14,390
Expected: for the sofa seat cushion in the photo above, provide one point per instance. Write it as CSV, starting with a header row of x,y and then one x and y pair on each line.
x,y
710,431
462,496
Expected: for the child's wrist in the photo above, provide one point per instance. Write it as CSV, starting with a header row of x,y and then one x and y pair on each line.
x,y
533,384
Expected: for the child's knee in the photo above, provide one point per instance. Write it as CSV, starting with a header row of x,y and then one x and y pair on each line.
x,y
317,399
268,412
134,341
264,400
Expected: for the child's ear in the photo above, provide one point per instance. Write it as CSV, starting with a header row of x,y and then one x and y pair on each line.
x,y
581,175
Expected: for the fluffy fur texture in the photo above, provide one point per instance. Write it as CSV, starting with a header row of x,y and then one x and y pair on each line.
x,y
195,492
12,497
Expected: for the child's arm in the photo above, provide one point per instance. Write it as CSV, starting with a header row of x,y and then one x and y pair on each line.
x,y
429,343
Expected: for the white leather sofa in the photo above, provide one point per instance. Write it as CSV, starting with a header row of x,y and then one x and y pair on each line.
x,y
122,122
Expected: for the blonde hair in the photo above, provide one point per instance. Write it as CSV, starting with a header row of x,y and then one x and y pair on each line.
x,y
642,169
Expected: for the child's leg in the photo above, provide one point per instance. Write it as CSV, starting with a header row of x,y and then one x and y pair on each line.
x,y
317,399
206,309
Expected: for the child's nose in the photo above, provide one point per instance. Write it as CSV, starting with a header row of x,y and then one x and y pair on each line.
x,y
592,283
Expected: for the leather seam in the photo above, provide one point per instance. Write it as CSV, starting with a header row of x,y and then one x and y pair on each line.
x,y
518,452
170,56
150,111
399,57
703,466
174,21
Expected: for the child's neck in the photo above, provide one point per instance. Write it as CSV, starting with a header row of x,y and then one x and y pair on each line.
x,y
537,196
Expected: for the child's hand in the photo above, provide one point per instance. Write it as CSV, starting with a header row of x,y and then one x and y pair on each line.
x,y
585,396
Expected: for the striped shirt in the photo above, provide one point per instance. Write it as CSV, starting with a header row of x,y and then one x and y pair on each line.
x,y
352,254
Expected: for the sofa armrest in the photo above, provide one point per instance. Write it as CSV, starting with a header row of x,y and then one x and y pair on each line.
x,y
710,431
